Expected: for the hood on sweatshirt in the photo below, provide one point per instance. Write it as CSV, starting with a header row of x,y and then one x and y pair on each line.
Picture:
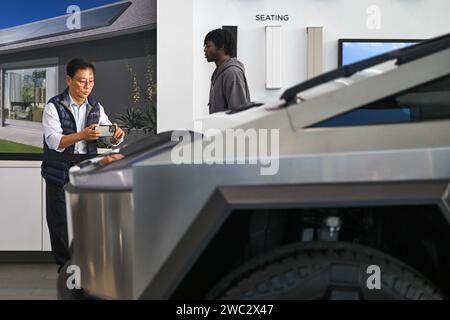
x,y
232,62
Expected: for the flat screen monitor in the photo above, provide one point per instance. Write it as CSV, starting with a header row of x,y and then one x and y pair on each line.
x,y
354,50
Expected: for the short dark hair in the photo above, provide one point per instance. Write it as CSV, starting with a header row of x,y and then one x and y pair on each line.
x,y
222,38
78,64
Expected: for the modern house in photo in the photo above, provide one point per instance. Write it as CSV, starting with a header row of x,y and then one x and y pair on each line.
x,y
119,38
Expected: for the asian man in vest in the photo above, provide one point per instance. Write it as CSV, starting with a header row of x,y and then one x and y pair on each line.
x,y
69,124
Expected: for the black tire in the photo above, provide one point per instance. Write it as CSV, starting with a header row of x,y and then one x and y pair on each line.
x,y
323,270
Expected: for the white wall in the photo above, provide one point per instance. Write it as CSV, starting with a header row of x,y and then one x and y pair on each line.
x,y
175,49
188,72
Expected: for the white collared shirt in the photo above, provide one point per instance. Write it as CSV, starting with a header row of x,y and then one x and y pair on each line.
x,y
53,131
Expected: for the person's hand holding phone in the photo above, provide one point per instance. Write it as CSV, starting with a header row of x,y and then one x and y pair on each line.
x,y
90,133
118,135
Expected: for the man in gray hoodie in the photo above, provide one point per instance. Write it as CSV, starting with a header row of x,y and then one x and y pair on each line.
x,y
229,88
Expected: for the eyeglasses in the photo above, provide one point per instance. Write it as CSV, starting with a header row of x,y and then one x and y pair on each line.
x,y
85,82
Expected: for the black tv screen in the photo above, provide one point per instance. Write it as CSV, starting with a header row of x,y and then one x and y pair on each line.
x,y
354,50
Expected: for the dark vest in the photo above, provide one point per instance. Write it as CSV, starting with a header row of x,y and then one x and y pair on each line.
x,y
57,172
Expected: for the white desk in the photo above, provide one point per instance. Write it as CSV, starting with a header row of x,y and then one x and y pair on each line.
x,y
23,226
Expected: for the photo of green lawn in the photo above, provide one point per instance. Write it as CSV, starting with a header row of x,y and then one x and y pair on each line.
x,y
13,147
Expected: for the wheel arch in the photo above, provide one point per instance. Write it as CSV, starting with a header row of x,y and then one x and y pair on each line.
x,y
226,200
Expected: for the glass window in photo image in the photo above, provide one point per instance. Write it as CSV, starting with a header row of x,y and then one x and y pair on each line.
x,y
25,94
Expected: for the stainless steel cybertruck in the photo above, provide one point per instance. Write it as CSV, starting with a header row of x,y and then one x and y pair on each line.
x,y
357,206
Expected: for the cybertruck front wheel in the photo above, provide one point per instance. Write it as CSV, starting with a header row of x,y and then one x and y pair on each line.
x,y
325,270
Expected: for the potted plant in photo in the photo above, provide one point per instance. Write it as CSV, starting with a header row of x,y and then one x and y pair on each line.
x,y
139,119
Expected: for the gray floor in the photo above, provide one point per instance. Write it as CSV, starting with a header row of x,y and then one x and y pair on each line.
x,y
28,136
28,281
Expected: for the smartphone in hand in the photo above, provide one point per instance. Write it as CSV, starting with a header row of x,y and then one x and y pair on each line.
x,y
107,131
